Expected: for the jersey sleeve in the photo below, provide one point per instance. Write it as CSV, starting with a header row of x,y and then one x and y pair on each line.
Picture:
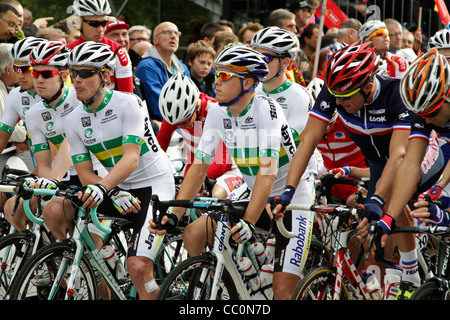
x,y
419,128
39,141
123,73
165,134
209,140
133,133
324,106
10,116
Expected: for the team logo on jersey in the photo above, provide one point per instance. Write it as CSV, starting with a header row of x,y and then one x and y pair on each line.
x,y
227,123
88,133
86,121
248,120
281,100
26,101
46,116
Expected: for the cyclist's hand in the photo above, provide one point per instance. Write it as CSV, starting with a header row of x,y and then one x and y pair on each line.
x,y
281,201
386,223
153,228
242,232
435,192
124,201
93,195
374,208
430,212
342,172
45,183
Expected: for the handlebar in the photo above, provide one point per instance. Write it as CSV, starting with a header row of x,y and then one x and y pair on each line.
x,y
26,193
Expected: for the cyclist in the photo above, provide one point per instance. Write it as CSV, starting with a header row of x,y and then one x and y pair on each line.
x,y
376,33
183,106
44,121
280,48
341,155
19,99
257,135
93,15
424,90
375,117
123,141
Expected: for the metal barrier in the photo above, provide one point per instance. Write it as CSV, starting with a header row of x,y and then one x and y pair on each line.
x,y
404,11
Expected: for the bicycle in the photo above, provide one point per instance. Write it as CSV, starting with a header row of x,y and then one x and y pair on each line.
x,y
215,274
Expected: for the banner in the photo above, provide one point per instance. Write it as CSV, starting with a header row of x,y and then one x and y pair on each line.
x,y
443,12
334,16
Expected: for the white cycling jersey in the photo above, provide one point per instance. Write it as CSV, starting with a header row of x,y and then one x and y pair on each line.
x,y
296,102
16,106
120,118
261,130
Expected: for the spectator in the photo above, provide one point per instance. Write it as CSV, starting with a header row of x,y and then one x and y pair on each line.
x,y
209,30
376,32
137,34
200,58
27,18
303,10
247,31
308,39
348,32
159,63
117,30
227,25
282,18
9,21
194,26
8,77
407,39
71,26
141,47
52,34
93,16
223,38
395,34
35,26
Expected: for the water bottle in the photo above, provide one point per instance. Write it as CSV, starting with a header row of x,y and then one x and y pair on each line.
x,y
110,257
270,250
259,250
249,271
266,277
391,283
372,284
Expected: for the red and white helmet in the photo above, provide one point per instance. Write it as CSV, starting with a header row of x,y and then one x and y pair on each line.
x,y
178,99
53,53
350,67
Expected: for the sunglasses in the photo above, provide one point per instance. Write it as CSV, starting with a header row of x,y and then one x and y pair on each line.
x,y
84,73
344,96
270,57
95,23
169,33
225,76
46,74
22,69
379,32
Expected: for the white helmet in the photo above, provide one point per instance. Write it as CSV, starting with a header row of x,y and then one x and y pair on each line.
x,y
178,99
277,40
440,40
21,49
92,54
84,8
53,53
314,87
369,27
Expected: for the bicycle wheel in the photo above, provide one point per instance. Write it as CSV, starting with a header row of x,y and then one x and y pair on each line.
x,y
170,255
318,255
36,279
430,290
192,280
318,284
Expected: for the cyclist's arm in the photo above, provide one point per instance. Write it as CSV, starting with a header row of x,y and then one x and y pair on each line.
x,y
165,134
407,177
313,133
61,163
397,151
4,138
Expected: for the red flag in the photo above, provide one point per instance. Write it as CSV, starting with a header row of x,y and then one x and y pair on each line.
x,y
443,12
334,16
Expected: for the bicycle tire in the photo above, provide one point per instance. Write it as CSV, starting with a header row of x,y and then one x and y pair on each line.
x,y
184,280
320,279
430,290
170,255
46,263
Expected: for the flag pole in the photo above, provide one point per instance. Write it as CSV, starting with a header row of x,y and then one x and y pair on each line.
x,y
319,40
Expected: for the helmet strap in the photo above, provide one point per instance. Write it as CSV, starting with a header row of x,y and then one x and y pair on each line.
x,y
56,95
226,104
89,102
